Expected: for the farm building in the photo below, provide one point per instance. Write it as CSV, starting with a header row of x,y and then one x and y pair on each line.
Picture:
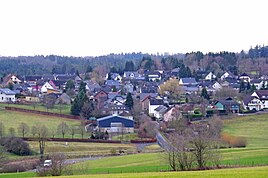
x,y
115,124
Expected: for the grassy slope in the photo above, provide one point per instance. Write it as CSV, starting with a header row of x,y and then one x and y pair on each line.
x,y
65,109
83,149
255,129
255,154
13,119
255,172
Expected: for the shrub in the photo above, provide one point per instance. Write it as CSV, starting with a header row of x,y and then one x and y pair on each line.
x,y
20,166
233,141
16,146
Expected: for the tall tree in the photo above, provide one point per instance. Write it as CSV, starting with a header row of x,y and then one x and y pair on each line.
x,y
172,88
23,129
129,101
63,129
242,86
42,134
204,93
129,66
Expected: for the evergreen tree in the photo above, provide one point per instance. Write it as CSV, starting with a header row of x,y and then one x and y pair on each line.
x,y
82,87
204,93
129,66
263,85
241,86
89,69
248,86
79,100
70,85
129,101
253,88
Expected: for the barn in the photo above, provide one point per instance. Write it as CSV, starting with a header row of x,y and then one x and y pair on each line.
x,y
115,124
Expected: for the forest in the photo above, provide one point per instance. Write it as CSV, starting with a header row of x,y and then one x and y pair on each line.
x,y
254,62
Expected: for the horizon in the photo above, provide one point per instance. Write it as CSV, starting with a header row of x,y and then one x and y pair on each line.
x,y
98,28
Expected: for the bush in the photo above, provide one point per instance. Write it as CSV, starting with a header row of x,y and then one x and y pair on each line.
x,y
233,141
20,166
16,146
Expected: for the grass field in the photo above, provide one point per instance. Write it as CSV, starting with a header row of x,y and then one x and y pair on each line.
x,y
78,149
256,153
253,172
63,109
13,119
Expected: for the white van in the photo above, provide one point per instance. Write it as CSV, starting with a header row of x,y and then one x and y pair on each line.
x,y
47,163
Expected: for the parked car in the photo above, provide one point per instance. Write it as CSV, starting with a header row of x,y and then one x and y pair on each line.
x,y
47,163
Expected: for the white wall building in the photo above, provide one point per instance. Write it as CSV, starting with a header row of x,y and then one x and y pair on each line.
x,y
6,95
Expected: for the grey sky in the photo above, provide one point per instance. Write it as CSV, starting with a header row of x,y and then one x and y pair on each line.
x,y
98,27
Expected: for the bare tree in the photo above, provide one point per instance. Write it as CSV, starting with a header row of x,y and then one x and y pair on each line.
x,y
81,130
34,130
73,130
63,129
42,133
58,164
147,128
11,131
49,101
195,143
2,155
23,129
2,129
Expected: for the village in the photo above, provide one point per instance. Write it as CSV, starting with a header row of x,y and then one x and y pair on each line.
x,y
162,95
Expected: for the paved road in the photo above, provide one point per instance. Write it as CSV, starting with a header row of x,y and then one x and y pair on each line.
x,y
162,141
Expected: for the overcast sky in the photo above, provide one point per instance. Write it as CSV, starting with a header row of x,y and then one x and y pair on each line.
x,y
99,27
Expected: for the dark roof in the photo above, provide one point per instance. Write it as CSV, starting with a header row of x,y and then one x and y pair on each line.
x,y
106,121
256,81
7,91
244,75
227,102
58,82
32,77
231,80
156,102
263,94
188,80
248,99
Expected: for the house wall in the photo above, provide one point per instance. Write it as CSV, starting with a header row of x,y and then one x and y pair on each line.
x,y
152,109
7,98
32,99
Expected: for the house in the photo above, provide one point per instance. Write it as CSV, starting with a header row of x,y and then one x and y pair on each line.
x,y
262,95
253,103
188,82
227,74
175,72
145,100
210,76
173,113
133,75
227,105
7,95
154,76
258,83
100,98
114,76
245,77
115,124
160,111
46,86
64,99
211,86
153,104
11,79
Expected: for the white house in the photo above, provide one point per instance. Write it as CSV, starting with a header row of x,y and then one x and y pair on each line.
x,y
258,83
210,76
153,104
46,86
226,74
6,95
